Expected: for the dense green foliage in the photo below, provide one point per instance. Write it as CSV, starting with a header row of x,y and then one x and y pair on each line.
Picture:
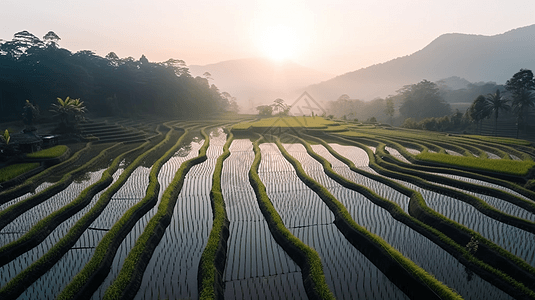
x,y
41,71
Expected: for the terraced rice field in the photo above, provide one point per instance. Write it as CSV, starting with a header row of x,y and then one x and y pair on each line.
x,y
143,219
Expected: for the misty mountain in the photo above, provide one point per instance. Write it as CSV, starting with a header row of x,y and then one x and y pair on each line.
x,y
475,58
255,81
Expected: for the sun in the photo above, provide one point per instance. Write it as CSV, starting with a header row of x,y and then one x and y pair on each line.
x,y
278,42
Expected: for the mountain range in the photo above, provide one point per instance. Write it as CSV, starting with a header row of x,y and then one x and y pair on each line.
x,y
256,81
474,58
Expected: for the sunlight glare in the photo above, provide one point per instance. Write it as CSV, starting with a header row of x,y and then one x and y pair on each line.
x,y
278,43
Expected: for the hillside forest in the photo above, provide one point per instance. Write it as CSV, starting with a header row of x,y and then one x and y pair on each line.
x,y
40,71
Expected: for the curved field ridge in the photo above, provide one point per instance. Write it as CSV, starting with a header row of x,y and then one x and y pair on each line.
x,y
31,183
304,256
490,262
212,263
94,272
404,273
28,276
495,164
44,227
12,212
129,279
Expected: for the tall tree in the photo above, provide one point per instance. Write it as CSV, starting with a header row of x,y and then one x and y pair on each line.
x,y
521,86
389,110
496,103
478,111
422,100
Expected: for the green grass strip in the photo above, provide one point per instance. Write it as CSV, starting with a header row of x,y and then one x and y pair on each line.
x,y
440,289
13,211
12,171
424,283
507,166
15,287
213,258
32,182
53,152
95,271
129,278
306,257
489,273
512,186
488,252
45,226
402,167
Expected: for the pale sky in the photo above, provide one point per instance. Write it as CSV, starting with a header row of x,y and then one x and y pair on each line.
x,y
330,36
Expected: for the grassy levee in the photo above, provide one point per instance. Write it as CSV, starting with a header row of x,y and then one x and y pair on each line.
x,y
402,167
446,169
498,266
405,274
421,179
95,271
13,211
28,276
491,274
32,182
212,263
130,276
306,257
413,270
12,174
53,152
513,170
506,145
45,226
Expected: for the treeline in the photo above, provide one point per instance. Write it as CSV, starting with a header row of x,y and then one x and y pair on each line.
x,y
418,101
40,71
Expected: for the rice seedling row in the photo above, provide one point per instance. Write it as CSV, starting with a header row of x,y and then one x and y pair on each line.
x,y
27,220
173,274
43,186
503,206
318,231
411,244
282,286
483,183
254,258
512,239
59,232
358,156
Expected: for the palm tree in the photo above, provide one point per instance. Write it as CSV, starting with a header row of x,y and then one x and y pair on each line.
x,y
478,111
69,111
495,104
522,101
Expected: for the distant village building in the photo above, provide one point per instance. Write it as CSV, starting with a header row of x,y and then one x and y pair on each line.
x,y
27,142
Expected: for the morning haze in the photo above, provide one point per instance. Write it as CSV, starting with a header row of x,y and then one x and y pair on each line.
x,y
282,149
